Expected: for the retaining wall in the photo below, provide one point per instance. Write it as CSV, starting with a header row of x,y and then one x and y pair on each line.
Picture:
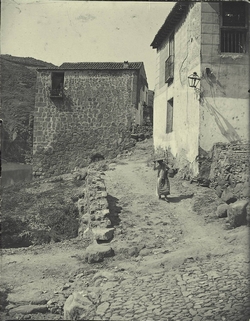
x,y
94,209
230,169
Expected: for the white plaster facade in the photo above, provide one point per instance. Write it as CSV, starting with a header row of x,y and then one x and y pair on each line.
x,y
218,111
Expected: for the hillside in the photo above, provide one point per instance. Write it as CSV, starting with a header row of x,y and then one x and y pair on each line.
x,y
18,81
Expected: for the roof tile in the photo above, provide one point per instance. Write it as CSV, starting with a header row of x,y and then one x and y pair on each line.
x,y
100,65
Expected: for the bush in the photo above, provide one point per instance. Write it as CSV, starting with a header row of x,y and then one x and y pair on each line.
x,y
40,216
62,221
12,229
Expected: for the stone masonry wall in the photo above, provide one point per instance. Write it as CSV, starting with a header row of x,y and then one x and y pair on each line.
x,y
95,218
224,168
229,172
94,116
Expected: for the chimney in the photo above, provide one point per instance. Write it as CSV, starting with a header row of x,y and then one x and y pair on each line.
x,y
125,64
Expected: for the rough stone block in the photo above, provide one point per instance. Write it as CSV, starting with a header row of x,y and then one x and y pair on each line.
x,y
101,214
85,219
102,308
80,205
103,234
97,252
222,210
105,275
78,307
228,196
237,213
218,191
28,309
106,223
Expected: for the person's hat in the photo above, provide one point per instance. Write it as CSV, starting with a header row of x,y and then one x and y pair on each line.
x,y
159,157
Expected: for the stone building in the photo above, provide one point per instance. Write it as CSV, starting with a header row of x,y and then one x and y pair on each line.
x,y
212,40
85,108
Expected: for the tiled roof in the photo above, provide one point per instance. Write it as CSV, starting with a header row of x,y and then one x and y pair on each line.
x,y
101,65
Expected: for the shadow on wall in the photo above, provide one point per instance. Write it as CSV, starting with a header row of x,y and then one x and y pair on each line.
x,y
64,105
114,210
212,80
226,129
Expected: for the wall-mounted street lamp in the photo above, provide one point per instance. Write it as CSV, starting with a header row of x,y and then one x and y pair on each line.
x,y
193,80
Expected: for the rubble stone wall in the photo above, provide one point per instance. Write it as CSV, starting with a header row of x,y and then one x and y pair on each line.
x,y
94,209
229,173
94,115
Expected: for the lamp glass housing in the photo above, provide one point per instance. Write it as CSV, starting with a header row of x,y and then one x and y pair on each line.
x,y
193,80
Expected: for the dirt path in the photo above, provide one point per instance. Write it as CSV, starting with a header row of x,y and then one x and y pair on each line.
x,y
151,236
173,230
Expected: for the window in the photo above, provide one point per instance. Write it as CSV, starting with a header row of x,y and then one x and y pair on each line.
x,y
170,106
57,80
233,27
169,63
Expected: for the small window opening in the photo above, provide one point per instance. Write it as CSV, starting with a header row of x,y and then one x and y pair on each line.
x,y
57,79
170,114
169,63
233,27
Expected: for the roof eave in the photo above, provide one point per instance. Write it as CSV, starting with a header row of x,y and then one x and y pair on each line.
x,y
174,16
60,68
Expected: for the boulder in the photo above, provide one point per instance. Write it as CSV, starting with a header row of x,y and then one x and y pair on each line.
x,y
237,213
78,307
228,196
28,309
222,210
133,251
221,181
101,215
218,191
80,174
103,234
85,219
33,297
145,252
102,308
103,224
97,252
104,275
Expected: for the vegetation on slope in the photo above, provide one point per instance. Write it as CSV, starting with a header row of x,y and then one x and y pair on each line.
x,y
18,80
40,212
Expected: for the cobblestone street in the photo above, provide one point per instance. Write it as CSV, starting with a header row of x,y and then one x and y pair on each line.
x,y
200,291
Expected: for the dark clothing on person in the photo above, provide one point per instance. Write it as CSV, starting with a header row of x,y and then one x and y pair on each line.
x,y
163,185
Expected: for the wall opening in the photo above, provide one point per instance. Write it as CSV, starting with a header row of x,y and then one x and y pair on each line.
x,y
169,63
233,27
170,110
57,81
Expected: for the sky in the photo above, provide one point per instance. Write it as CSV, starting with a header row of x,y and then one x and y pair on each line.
x,y
83,31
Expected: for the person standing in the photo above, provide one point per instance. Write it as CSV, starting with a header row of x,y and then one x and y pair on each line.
x,y
163,185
